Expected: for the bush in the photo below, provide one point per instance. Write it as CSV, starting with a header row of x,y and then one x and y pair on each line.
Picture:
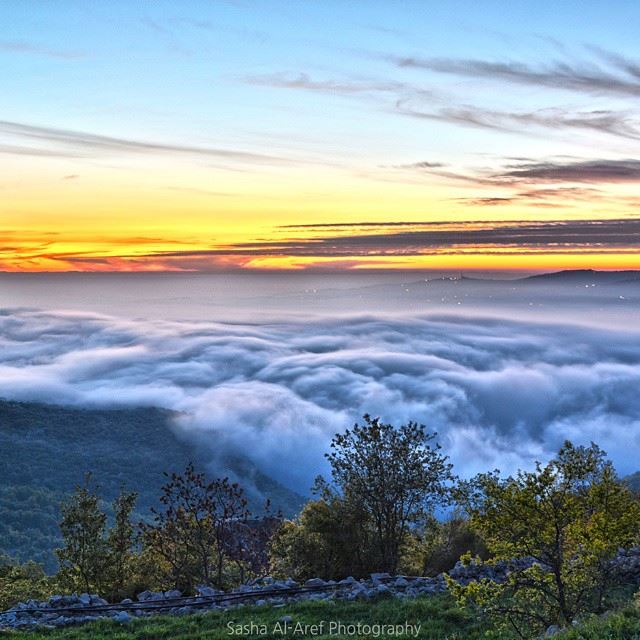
x,y
569,518
446,542
328,540
19,582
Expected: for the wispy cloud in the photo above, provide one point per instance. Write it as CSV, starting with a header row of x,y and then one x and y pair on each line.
x,y
554,197
615,123
524,171
618,77
441,238
65,142
428,103
304,82
20,46
423,164
590,171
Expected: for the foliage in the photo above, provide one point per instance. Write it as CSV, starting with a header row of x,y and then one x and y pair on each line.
x,y
84,554
93,558
56,446
441,544
201,527
30,532
329,539
19,582
121,558
569,517
392,477
248,545
633,482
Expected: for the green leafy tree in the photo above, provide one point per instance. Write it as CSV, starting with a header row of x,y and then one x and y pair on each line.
x,y
121,555
329,539
392,477
569,517
84,556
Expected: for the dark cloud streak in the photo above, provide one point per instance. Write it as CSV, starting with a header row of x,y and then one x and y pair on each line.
x,y
557,236
619,79
591,171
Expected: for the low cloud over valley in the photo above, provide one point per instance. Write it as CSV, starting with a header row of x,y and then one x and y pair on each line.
x,y
501,393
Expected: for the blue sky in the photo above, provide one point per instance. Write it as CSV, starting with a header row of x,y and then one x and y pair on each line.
x,y
128,68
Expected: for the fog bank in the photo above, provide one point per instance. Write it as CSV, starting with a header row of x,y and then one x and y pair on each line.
x,y
501,393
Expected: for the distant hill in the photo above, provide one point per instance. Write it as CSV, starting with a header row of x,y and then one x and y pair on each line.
x,y
585,276
633,482
46,450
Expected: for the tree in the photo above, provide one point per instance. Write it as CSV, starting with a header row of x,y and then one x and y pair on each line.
x,y
192,530
394,476
329,539
247,545
120,545
568,518
444,542
83,558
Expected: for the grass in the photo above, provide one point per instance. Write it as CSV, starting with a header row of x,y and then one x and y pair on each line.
x,y
623,624
439,617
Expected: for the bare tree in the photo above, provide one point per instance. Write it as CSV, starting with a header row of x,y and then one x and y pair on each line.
x,y
192,529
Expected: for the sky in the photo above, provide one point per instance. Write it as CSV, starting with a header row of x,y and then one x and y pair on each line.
x,y
209,136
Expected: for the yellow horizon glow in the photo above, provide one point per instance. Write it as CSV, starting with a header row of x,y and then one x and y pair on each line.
x,y
125,219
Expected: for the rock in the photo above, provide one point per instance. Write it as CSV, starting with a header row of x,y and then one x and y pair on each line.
x,y
122,617
551,631
126,601
315,582
173,593
205,591
84,598
401,582
348,581
378,578
286,619
146,596
279,584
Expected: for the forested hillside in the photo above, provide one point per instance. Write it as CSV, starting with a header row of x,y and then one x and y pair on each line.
x,y
46,450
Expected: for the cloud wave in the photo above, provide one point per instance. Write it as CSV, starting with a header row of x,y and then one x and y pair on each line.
x,y
500,393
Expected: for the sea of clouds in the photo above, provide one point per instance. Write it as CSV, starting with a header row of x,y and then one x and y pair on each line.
x,y
500,393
